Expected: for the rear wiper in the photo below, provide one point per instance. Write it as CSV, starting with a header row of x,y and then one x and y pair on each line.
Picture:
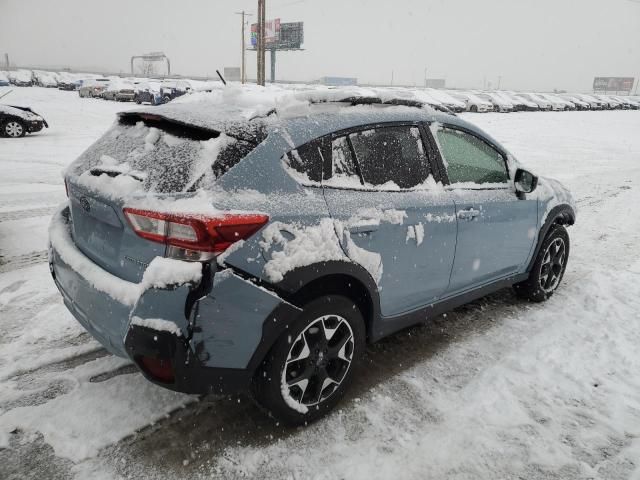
x,y
97,171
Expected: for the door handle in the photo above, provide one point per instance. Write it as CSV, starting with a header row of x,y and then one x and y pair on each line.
x,y
364,228
468,214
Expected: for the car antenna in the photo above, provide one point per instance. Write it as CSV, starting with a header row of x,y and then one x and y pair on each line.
x,y
5,94
221,77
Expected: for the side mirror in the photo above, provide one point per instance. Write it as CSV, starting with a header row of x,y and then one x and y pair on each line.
x,y
525,182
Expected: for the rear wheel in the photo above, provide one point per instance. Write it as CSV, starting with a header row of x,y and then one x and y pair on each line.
x,y
312,364
474,108
549,267
14,128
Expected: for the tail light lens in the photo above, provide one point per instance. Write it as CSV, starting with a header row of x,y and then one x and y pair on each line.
x,y
159,369
192,232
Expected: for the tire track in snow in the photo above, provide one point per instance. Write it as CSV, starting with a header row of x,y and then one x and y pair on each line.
x,y
22,261
27,213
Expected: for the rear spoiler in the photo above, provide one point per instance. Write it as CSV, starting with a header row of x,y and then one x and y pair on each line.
x,y
247,131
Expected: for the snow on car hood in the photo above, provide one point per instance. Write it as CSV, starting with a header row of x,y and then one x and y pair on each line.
x,y
19,112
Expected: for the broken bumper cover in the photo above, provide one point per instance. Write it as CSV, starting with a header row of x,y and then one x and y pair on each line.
x,y
224,327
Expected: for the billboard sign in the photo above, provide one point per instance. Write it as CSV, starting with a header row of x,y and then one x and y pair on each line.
x,y
271,33
281,36
613,84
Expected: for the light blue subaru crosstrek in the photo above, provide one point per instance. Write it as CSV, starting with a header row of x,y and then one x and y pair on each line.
x,y
223,253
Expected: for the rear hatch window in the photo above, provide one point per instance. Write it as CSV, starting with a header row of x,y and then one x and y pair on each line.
x,y
164,156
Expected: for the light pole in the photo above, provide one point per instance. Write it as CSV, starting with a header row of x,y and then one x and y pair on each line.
x,y
243,73
261,41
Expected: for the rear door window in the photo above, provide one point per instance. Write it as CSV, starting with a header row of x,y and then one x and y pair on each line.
x,y
390,156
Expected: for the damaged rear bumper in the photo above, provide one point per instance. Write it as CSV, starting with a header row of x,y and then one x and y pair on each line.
x,y
223,327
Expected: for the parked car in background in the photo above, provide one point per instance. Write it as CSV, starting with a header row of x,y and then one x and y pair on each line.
x,y
499,103
579,104
520,103
21,78
93,87
542,103
69,85
453,104
45,79
472,102
147,92
4,79
631,104
18,121
568,105
594,103
609,102
170,89
118,90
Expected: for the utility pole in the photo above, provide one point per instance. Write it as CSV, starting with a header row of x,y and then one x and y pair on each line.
x,y
499,81
261,42
243,74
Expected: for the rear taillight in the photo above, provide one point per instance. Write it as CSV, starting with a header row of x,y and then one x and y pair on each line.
x,y
158,369
194,232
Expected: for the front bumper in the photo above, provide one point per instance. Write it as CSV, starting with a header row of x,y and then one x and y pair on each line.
x,y
226,324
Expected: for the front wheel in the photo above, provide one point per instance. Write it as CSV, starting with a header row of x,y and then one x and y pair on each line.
x,y
548,268
14,128
312,364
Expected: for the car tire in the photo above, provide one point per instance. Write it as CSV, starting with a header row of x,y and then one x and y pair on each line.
x,y
327,364
14,128
548,268
166,99
474,108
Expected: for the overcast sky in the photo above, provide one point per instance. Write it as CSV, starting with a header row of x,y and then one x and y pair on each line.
x,y
531,44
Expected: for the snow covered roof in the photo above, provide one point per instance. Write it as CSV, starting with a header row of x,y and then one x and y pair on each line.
x,y
250,107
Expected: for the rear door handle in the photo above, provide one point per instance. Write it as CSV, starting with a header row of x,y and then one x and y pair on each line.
x,y
364,228
468,214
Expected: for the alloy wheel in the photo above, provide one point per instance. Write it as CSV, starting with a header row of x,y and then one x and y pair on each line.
x,y
318,360
14,129
553,265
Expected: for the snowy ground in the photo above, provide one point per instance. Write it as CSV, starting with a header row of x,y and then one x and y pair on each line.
x,y
497,389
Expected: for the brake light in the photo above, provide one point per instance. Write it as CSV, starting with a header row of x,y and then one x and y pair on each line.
x,y
201,233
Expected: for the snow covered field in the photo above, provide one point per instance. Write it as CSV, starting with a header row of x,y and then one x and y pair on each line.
x,y
496,389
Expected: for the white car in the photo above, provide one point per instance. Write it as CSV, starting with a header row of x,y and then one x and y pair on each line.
x,y
45,79
520,103
629,102
542,103
594,103
499,103
580,104
472,102
21,78
610,103
451,103
557,105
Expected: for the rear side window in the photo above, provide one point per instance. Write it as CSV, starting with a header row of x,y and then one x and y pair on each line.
x,y
469,159
390,155
307,160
